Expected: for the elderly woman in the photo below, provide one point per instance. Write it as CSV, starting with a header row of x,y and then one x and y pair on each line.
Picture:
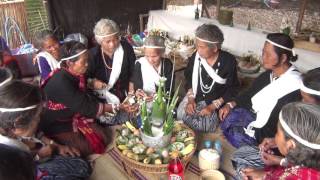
x,y
150,68
252,156
72,111
112,61
310,89
297,138
20,108
49,55
256,114
211,80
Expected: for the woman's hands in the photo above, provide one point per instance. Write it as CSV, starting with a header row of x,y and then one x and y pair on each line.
x,y
208,110
141,94
225,110
67,151
254,174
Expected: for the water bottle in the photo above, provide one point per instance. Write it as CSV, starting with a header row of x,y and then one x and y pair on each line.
x,y
207,144
218,147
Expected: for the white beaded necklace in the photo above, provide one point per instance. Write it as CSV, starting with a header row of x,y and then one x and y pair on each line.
x,y
205,88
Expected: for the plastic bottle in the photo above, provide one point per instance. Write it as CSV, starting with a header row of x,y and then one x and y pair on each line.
x,y
218,147
175,168
196,13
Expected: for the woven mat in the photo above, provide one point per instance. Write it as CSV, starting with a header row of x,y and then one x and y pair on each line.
x,y
110,166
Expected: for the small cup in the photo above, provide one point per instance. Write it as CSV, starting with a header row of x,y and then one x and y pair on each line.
x,y
212,175
209,159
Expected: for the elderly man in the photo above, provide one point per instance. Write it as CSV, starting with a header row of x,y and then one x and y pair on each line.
x,y
211,80
112,61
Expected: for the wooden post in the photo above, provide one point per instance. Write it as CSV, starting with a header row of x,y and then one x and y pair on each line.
x,y
164,4
301,14
218,8
204,7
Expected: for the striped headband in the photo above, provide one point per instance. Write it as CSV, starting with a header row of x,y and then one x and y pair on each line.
x,y
296,137
280,46
309,90
76,55
17,109
207,41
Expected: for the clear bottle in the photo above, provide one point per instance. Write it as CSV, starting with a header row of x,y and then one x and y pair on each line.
x,y
175,168
196,13
218,147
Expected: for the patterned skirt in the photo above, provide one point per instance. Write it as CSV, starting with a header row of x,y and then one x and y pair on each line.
x,y
246,156
233,127
196,122
64,168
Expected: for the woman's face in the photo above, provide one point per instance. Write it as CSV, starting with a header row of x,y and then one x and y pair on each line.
x,y
307,98
204,50
110,44
153,55
32,128
281,142
269,57
80,66
52,46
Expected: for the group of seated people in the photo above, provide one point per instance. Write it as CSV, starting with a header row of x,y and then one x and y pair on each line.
x,y
62,123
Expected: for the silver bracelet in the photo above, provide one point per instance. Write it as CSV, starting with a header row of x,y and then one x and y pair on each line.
x,y
284,162
230,105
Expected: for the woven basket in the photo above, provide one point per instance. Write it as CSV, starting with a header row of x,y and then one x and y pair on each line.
x,y
152,168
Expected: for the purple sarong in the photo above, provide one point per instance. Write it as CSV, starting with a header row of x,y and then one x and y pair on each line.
x,y
233,127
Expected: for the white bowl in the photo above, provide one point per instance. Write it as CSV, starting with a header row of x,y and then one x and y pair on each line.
x,y
212,175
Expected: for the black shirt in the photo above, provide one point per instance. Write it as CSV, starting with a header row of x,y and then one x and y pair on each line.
x,y
227,69
98,70
244,100
63,88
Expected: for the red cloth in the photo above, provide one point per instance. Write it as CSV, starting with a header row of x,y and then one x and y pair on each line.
x,y
80,122
291,173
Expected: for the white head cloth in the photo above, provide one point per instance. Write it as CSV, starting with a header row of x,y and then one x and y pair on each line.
x,y
6,81
154,47
294,136
280,46
309,90
71,57
17,109
107,35
207,41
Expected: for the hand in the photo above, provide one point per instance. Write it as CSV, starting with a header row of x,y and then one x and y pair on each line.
x,y
224,111
191,106
97,84
45,151
129,108
270,159
267,144
254,174
140,93
68,151
207,111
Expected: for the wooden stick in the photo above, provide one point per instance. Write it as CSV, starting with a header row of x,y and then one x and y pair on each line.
x,y
301,14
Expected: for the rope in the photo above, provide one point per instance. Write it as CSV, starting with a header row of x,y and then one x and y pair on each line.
x,y
10,28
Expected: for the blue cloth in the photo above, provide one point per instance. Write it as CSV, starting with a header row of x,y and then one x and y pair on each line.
x,y
233,127
45,68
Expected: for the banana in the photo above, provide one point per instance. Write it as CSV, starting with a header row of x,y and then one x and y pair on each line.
x,y
122,147
130,126
187,149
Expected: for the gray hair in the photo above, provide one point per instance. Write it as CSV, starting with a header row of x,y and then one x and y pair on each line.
x,y
303,120
156,41
105,27
210,32
41,36
77,37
